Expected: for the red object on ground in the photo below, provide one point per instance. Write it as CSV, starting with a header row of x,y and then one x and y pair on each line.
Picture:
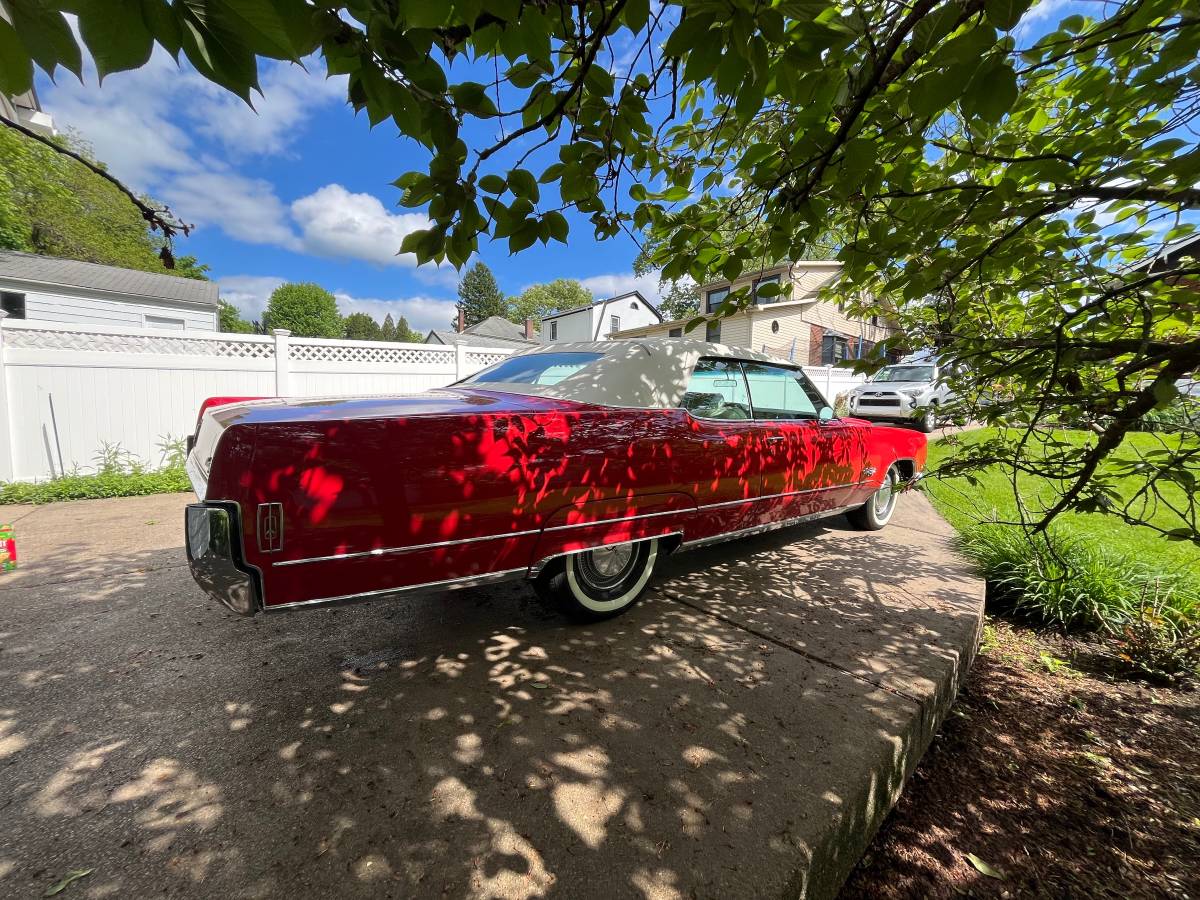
x,y
8,548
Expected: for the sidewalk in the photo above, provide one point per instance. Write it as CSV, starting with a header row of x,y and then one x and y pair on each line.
x,y
740,733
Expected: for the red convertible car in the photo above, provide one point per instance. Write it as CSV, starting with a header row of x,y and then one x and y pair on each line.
x,y
574,465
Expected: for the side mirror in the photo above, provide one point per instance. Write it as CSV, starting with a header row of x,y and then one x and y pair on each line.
x,y
825,413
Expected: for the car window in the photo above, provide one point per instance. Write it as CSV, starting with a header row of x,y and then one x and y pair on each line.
x,y
904,373
717,390
534,368
777,392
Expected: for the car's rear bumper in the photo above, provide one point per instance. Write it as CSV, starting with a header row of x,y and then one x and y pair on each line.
x,y
214,555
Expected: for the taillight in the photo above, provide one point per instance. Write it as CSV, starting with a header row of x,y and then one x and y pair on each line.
x,y
217,401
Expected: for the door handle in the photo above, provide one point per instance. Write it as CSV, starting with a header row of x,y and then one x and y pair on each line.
x,y
775,438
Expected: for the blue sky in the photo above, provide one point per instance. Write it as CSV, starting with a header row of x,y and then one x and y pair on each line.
x,y
297,190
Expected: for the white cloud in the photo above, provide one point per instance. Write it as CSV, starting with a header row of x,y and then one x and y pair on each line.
x,y
335,222
290,94
249,293
246,209
423,313
622,283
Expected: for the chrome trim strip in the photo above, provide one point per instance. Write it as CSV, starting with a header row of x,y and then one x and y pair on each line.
x,y
389,551
536,568
448,584
666,512
759,529
832,487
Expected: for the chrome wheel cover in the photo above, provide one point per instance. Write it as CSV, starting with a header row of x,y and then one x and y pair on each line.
x,y
606,567
885,497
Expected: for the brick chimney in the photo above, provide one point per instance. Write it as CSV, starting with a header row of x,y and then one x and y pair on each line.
x,y
462,321
528,329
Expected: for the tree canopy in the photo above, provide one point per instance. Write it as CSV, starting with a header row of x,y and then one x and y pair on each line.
x,y
1003,182
54,205
539,300
305,309
230,320
360,326
479,296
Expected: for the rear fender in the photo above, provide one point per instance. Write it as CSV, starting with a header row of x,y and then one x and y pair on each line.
x,y
596,523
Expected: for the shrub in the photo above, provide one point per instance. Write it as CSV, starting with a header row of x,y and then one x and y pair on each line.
x,y
119,473
92,487
1073,583
1154,643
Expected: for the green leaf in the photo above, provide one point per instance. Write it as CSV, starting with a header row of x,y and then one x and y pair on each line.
x,y
992,93
689,33
523,184
217,53
932,93
557,226
983,868
1005,14
71,877
47,36
472,97
16,66
492,184
260,24
116,36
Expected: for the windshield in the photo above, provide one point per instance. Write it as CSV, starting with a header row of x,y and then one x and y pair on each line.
x,y
904,373
536,368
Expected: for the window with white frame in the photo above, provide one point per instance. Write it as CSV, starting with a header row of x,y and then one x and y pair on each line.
x,y
614,324
554,330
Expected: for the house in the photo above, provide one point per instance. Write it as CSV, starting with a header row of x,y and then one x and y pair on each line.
x,y
494,331
24,109
600,320
50,289
794,323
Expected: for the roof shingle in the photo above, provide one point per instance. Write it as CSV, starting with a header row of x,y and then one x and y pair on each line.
x,y
93,276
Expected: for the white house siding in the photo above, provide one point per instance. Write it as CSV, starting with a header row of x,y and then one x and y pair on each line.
x,y
591,323
573,326
79,307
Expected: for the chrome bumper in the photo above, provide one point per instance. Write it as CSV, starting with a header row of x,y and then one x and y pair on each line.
x,y
215,557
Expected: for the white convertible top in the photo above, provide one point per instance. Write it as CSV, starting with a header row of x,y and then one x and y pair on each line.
x,y
651,373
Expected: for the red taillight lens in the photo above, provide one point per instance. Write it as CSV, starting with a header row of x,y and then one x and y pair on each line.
x,y
218,401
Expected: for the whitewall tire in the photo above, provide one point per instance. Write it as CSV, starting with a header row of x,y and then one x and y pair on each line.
x,y
877,511
600,583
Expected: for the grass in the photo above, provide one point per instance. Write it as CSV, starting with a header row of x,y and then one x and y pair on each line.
x,y
965,505
1129,583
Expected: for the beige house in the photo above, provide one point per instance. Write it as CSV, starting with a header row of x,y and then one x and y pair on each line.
x,y
794,323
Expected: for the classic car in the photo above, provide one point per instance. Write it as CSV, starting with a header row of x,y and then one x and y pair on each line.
x,y
576,466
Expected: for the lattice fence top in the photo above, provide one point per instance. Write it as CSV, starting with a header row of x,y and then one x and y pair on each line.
x,y
485,359
374,353
166,344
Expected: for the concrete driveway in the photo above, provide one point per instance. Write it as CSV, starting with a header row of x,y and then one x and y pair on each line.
x,y
739,733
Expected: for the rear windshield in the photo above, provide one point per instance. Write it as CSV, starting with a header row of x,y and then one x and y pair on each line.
x,y
536,368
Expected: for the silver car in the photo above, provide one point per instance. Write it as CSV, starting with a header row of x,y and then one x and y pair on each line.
x,y
904,392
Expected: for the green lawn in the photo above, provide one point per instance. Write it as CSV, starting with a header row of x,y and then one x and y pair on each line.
x,y
964,505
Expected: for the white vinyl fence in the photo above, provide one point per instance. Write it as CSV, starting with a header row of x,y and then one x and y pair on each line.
x,y
832,381
67,391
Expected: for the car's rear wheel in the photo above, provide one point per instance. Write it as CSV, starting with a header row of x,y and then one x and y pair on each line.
x,y
599,583
877,511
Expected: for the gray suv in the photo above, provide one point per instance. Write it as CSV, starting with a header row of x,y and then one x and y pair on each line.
x,y
904,392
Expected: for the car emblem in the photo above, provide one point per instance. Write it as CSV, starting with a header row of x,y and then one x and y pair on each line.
x,y
270,527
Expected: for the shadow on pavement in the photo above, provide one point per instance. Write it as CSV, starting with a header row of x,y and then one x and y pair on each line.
x,y
762,706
